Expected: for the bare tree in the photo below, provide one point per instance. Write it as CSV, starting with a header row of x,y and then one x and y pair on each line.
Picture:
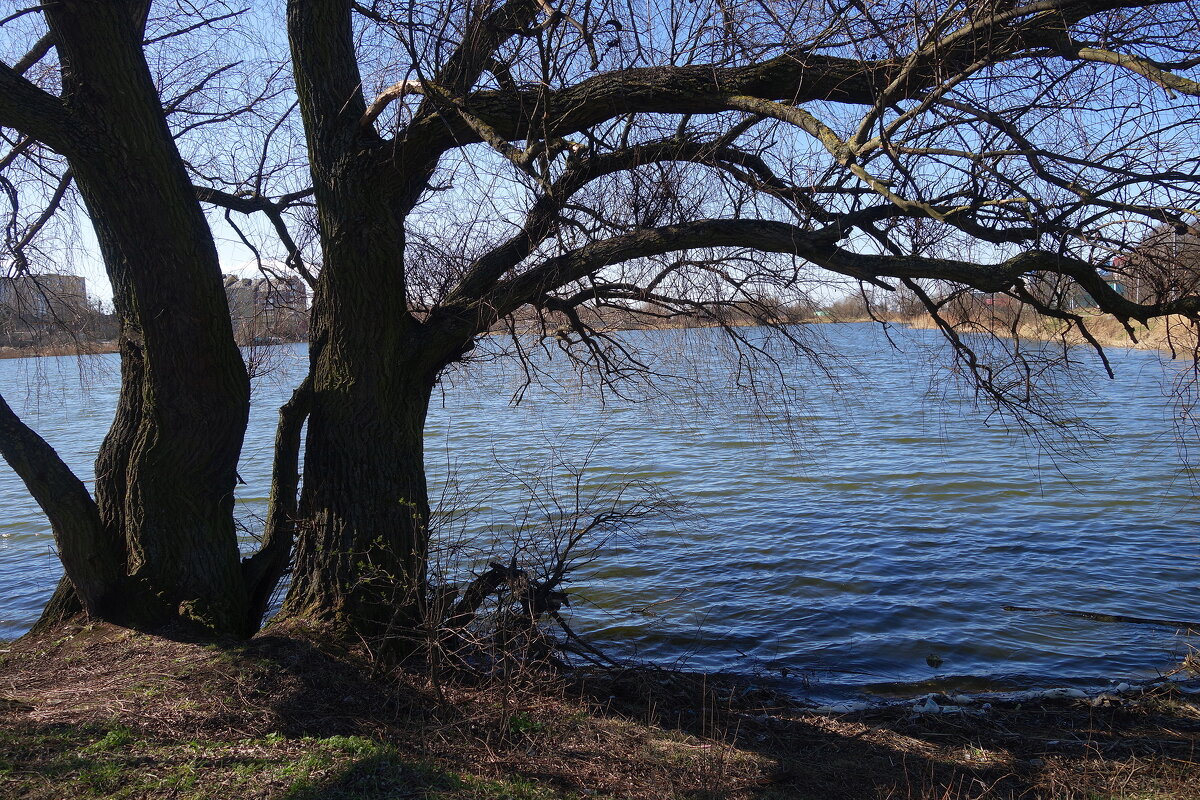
x,y
472,163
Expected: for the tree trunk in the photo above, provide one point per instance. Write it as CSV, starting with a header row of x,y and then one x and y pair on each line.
x,y
167,469
361,534
361,548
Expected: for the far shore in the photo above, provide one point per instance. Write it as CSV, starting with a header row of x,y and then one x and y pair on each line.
x,y
1172,335
68,349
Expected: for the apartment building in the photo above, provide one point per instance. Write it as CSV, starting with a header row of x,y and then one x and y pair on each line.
x,y
269,309
42,299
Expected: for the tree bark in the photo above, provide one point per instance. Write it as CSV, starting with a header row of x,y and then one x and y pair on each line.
x,y
363,515
361,546
167,470
63,606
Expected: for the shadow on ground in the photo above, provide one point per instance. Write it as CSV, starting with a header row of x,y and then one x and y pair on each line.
x,y
102,711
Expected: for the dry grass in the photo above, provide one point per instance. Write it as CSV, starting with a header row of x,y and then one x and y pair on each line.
x,y
1174,335
76,348
104,712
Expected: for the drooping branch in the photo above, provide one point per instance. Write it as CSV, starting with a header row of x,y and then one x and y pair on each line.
x,y
820,247
18,247
93,563
574,265
543,218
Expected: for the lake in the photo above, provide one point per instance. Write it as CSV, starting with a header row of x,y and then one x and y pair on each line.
x,y
837,537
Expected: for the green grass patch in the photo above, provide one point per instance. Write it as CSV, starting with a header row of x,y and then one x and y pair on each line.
x,y
117,738
356,746
508,789
521,722
49,762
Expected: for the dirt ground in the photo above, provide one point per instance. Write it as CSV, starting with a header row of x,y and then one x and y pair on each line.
x,y
99,711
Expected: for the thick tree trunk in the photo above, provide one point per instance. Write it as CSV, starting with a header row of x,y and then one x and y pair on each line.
x,y
167,470
361,548
362,530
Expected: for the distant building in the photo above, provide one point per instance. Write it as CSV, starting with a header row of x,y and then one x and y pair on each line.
x,y
37,310
268,309
42,299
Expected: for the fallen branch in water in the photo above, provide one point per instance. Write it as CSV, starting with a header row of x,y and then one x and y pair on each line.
x,y
1097,617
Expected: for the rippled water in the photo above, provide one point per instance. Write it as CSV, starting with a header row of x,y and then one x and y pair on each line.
x,y
892,522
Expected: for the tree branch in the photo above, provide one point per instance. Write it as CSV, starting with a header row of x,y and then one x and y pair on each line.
x,y
543,219
36,53
266,567
250,203
93,563
326,68
34,112
819,247
1140,66
387,97
794,77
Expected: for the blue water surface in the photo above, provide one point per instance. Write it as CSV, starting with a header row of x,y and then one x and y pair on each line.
x,y
843,521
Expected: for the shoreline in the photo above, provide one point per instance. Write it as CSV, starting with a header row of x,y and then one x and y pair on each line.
x,y
56,350
1173,335
93,349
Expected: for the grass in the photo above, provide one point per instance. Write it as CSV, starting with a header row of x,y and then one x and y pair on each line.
x,y
102,712
1174,335
82,761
